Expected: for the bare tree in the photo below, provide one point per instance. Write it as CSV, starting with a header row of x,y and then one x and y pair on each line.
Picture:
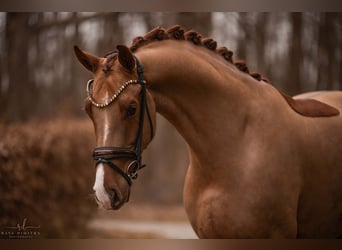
x,y
327,46
245,30
260,39
294,62
20,98
112,32
339,41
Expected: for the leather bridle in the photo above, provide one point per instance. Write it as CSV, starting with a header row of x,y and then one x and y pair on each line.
x,y
107,154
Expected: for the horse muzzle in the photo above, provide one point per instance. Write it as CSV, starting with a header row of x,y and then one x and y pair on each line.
x,y
112,199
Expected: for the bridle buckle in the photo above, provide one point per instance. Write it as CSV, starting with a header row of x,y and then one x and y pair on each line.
x,y
132,169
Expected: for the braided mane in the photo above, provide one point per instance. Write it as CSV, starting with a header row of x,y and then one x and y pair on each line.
x,y
178,33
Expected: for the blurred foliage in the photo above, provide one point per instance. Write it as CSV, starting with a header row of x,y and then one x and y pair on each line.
x,y
46,176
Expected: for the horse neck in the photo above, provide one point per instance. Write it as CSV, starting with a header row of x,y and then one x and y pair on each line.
x,y
207,99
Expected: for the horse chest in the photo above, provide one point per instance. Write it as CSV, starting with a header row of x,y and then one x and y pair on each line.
x,y
225,209
213,216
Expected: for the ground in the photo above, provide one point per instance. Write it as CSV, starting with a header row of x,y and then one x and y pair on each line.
x,y
142,221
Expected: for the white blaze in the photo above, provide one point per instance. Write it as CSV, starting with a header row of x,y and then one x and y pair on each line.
x,y
106,128
99,189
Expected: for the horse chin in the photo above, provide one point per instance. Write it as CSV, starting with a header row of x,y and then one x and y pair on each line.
x,y
117,206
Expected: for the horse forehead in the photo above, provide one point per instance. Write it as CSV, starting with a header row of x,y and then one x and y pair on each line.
x,y
106,77
104,85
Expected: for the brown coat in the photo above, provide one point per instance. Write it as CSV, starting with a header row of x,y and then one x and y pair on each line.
x,y
258,167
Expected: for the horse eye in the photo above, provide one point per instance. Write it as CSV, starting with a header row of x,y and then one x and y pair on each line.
x,y
131,110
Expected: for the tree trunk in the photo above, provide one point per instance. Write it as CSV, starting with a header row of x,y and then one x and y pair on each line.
x,y
260,40
294,65
339,40
244,36
20,91
112,34
200,22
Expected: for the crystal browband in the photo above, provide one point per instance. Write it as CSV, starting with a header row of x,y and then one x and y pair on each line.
x,y
112,99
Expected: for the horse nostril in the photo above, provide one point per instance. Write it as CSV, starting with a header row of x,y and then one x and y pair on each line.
x,y
96,199
114,197
113,194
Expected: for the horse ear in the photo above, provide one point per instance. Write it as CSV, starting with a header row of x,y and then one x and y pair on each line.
x,y
89,61
126,57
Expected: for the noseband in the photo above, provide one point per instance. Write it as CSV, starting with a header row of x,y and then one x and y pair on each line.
x,y
106,154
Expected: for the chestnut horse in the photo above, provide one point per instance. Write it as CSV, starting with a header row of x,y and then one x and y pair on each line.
x,y
262,164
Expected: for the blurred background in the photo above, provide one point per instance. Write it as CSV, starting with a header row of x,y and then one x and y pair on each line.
x,y
46,140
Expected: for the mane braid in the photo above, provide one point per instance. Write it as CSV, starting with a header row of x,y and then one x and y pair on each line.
x,y
156,34
193,36
176,32
256,75
209,43
242,66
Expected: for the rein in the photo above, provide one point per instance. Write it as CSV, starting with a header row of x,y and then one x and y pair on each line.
x,y
106,154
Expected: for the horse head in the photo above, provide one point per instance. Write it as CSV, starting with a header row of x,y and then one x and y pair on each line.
x,y
124,115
